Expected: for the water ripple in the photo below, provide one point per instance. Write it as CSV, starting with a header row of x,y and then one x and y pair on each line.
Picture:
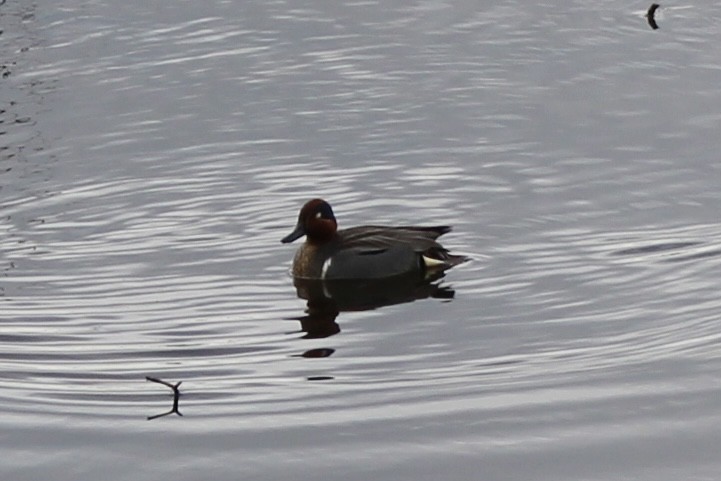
x,y
152,157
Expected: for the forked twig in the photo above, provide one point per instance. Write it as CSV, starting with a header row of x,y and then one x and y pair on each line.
x,y
650,15
176,396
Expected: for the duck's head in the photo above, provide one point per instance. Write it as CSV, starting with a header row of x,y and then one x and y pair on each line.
x,y
316,221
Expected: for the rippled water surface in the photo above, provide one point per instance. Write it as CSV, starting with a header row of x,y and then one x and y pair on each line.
x,y
153,154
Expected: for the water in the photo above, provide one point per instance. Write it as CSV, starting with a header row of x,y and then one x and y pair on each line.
x,y
153,155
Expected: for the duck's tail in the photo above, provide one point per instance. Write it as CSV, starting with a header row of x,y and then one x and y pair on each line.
x,y
440,258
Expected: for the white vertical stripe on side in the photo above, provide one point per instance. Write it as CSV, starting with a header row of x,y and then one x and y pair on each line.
x,y
326,266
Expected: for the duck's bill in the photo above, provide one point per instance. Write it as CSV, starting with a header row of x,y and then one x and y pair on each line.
x,y
297,233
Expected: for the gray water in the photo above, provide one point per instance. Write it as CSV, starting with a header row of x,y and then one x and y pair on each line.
x,y
152,155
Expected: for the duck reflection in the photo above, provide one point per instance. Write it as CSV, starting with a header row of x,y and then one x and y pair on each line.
x,y
327,299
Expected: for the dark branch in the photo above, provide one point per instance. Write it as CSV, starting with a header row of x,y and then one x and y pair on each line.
x,y
650,15
176,396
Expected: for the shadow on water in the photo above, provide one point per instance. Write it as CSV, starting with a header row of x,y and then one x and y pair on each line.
x,y
327,299
696,256
671,251
654,248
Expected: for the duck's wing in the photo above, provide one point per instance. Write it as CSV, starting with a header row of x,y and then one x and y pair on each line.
x,y
375,263
374,238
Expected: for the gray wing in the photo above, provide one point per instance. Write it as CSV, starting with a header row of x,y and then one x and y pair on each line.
x,y
375,263
419,239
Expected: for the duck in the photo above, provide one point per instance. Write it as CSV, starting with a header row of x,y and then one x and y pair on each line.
x,y
364,252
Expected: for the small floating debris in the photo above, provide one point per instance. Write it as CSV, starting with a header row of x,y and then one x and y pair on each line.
x,y
176,396
650,15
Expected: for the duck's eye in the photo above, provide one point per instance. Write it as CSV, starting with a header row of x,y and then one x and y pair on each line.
x,y
318,215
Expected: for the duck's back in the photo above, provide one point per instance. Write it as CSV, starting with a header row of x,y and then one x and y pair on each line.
x,y
419,239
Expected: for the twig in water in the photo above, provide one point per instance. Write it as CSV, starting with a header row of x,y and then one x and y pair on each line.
x,y
176,396
650,15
